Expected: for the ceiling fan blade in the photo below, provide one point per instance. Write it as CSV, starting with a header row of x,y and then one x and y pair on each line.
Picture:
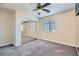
x,y
35,9
45,5
46,10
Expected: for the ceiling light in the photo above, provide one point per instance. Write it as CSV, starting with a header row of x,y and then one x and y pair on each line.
x,y
39,10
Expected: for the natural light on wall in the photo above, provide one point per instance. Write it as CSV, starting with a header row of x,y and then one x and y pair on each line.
x,y
22,27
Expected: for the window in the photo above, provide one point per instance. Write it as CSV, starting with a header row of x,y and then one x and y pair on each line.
x,y
46,26
50,26
32,26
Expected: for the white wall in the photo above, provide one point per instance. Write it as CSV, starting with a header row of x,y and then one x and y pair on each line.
x,y
10,25
7,25
77,31
65,28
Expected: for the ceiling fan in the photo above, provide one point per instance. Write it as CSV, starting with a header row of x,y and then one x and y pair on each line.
x,y
40,8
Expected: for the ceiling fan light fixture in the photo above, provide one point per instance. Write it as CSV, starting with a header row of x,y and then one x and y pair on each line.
x,y
40,10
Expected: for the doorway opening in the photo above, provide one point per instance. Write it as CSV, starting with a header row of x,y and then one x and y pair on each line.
x,y
28,31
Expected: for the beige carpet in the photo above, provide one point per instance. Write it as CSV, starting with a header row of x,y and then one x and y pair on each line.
x,y
38,48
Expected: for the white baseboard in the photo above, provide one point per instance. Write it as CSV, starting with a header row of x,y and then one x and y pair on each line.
x,y
17,44
59,42
6,44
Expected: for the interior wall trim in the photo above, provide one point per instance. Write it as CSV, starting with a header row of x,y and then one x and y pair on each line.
x,y
6,44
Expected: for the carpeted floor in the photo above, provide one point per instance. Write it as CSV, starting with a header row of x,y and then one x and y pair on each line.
x,y
38,48
27,39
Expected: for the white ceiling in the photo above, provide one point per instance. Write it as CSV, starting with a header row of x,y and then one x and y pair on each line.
x,y
28,8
